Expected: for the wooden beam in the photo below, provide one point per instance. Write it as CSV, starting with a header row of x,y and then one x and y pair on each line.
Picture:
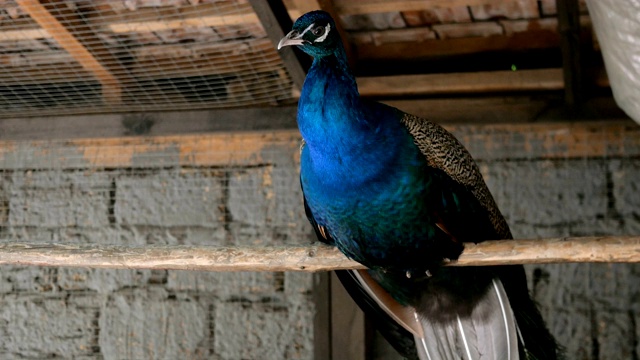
x,y
438,48
349,7
111,88
314,258
160,25
277,23
569,29
548,140
478,82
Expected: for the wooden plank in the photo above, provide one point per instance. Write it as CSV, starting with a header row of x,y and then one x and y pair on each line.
x,y
160,25
478,82
349,7
569,29
485,142
111,89
223,13
56,73
433,48
277,23
11,35
313,258
216,59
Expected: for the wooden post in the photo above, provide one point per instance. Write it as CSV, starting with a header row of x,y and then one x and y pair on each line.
x,y
569,29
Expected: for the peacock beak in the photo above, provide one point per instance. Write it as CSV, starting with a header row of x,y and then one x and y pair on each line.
x,y
292,38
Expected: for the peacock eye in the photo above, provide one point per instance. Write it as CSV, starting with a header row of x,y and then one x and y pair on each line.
x,y
318,30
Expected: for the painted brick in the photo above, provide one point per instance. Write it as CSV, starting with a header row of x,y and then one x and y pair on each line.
x,y
561,285
28,280
572,329
298,284
38,327
625,175
149,324
102,281
248,285
616,335
57,199
480,29
549,192
250,196
262,331
520,9
169,198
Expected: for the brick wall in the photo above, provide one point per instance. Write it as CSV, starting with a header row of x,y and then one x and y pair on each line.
x,y
594,310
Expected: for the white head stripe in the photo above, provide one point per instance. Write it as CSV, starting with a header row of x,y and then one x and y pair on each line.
x,y
304,32
324,36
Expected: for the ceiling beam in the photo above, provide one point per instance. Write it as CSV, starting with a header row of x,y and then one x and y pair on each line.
x,y
349,7
111,86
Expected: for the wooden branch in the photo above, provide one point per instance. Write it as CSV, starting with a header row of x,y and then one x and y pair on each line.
x,y
612,249
111,89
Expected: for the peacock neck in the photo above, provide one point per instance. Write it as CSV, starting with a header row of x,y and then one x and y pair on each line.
x,y
341,132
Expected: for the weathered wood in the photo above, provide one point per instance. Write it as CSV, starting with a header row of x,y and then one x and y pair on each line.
x,y
349,7
478,82
209,59
432,48
569,29
111,89
313,258
538,140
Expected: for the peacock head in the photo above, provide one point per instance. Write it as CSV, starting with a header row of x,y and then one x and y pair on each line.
x,y
315,33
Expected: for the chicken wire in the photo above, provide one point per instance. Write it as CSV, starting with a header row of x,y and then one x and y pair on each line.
x,y
141,55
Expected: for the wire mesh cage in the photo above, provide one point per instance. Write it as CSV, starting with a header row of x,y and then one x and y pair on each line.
x,y
97,56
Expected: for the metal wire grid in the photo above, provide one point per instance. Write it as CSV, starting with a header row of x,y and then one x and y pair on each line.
x,y
136,55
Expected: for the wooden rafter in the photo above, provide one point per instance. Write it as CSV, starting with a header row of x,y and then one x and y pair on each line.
x,y
475,82
350,7
111,85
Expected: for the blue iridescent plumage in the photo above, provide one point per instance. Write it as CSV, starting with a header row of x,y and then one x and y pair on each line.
x,y
401,196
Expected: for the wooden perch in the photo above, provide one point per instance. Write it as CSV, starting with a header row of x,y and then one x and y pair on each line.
x,y
620,249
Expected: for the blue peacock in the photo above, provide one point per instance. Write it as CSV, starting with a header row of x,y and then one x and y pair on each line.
x,y
401,195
